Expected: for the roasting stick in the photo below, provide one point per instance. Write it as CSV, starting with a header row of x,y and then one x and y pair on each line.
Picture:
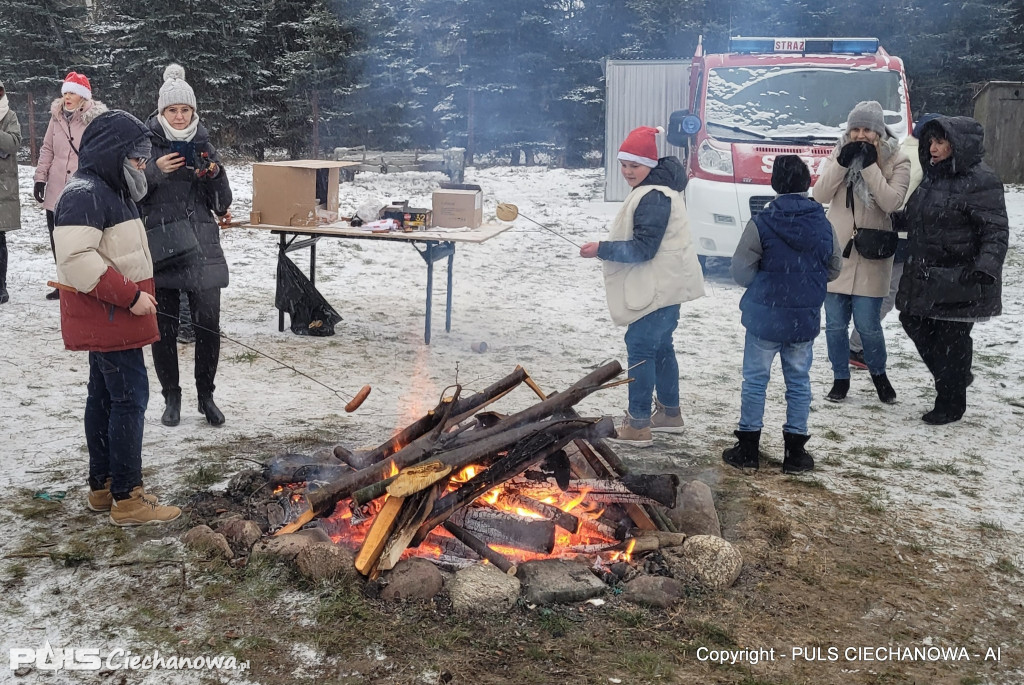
x,y
508,212
350,407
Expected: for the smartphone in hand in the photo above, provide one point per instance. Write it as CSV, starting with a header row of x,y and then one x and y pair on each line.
x,y
187,149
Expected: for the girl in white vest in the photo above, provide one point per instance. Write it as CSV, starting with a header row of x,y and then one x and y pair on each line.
x,y
650,268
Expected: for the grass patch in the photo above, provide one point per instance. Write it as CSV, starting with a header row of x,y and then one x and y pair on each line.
x,y
707,633
949,468
834,436
779,532
812,483
944,493
628,618
873,451
647,664
27,506
991,526
555,624
204,476
75,554
1006,565
243,357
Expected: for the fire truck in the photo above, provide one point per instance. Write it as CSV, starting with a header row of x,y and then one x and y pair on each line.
x,y
768,97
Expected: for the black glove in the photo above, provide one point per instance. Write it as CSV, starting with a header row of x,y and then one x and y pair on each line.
x,y
859,148
39,191
977,277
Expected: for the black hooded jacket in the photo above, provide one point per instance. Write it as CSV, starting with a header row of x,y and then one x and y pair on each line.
x,y
182,197
958,231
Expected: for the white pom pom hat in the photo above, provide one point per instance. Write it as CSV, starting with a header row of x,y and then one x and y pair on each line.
x,y
640,146
175,90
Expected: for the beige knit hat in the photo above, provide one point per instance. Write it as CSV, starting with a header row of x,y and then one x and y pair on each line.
x,y
175,90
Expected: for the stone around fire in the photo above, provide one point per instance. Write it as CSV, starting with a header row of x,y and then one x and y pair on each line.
x,y
483,588
552,581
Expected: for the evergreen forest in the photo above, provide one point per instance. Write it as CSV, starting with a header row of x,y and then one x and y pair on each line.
x,y
304,76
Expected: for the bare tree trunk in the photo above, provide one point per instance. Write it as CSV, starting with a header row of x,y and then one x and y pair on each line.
x,y
32,128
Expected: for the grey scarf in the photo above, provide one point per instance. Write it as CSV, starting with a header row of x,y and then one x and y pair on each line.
x,y
887,147
136,180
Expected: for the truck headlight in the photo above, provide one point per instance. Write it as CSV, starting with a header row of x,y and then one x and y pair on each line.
x,y
713,160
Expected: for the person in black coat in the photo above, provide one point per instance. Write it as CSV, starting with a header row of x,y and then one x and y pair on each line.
x,y
957,232
187,187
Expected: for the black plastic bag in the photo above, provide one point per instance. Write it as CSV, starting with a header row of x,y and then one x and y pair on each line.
x,y
310,313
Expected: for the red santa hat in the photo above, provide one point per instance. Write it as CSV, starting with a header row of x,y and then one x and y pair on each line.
x,y
77,84
639,146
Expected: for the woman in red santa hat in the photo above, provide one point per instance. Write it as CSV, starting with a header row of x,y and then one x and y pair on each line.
x,y
650,268
58,159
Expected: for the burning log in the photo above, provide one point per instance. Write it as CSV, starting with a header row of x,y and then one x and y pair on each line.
x,y
604,462
638,489
481,548
458,410
517,461
412,495
462,449
501,528
562,519
291,468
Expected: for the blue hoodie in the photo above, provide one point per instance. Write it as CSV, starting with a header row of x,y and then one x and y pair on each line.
x,y
797,247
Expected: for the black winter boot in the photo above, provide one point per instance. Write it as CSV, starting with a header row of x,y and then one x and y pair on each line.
x,y
744,454
797,460
884,388
840,387
172,409
214,416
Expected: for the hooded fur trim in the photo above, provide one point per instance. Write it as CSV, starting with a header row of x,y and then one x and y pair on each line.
x,y
89,110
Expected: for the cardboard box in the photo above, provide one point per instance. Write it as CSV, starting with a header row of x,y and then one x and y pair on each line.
x,y
458,207
289,193
409,217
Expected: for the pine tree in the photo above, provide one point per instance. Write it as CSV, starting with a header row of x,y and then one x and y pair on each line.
x,y
40,41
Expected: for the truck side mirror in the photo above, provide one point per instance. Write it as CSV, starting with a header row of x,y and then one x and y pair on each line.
x,y
682,125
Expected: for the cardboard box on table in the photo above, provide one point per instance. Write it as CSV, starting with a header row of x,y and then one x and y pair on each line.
x,y
289,193
458,207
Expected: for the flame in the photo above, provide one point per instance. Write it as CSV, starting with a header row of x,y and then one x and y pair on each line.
x,y
628,554
394,469
576,501
465,474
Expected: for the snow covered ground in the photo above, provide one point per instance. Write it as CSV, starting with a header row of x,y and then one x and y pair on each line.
x,y
535,302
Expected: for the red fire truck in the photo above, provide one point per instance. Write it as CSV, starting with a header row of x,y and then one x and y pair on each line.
x,y
768,97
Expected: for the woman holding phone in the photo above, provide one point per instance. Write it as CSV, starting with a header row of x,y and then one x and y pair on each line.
x,y
187,186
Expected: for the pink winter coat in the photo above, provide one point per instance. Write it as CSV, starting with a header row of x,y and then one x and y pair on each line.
x,y
58,159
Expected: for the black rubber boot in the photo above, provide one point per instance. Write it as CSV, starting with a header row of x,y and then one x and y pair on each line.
x,y
744,454
840,387
884,388
797,460
172,408
214,416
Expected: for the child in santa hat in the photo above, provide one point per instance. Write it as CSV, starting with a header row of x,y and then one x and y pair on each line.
x,y
650,268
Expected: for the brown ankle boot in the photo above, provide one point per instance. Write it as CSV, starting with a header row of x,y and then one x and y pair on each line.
x,y
141,509
100,500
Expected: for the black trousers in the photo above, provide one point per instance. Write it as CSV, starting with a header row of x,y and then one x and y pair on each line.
x,y
947,350
3,260
49,226
205,305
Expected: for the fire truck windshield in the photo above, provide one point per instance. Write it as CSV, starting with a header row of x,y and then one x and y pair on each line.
x,y
797,102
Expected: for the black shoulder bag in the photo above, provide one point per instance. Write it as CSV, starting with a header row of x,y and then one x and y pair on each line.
x,y
871,243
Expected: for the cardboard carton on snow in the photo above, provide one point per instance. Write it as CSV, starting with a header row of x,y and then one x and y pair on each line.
x,y
455,207
290,193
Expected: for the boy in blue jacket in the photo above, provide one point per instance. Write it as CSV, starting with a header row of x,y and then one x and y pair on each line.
x,y
786,256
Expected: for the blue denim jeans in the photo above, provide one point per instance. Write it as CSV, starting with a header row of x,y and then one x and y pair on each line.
x,y
867,319
758,355
115,411
649,340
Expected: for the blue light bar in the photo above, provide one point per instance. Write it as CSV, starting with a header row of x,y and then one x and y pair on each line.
x,y
803,46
